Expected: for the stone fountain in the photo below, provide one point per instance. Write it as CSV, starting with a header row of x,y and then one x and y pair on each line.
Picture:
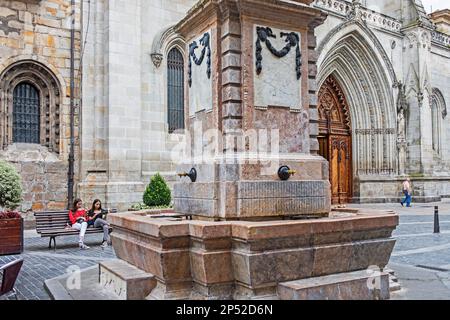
x,y
262,222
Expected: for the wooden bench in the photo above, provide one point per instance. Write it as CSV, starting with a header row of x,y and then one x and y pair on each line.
x,y
52,224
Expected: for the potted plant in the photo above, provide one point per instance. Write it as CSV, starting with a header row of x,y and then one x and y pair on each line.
x,y
11,223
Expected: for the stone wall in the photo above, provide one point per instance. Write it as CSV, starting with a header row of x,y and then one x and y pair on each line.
x,y
125,137
44,178
409,54
37,33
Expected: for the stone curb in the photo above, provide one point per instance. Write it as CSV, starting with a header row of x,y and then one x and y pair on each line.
x,y
57,291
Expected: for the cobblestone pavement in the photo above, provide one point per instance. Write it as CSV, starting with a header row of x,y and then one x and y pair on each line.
x,y
41,264
421,257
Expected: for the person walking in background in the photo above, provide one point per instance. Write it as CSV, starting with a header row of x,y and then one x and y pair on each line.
x,y
407,191
78,218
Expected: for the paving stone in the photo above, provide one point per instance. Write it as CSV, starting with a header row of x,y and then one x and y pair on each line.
x,y
41,264
417,245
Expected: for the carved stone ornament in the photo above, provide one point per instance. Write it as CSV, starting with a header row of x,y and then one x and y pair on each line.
x,y
292,40
206,51
157,59
354,12
402,104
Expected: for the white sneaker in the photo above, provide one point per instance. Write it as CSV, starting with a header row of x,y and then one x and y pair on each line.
x,y
83,246
104,244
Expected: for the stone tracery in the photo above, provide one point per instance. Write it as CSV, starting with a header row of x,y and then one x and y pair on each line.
x,y
353,61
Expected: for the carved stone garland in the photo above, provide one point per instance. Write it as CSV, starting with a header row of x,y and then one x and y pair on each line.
x,y
205,42
292,40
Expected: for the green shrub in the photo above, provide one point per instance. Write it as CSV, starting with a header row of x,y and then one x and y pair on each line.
x,y
10,186
157,192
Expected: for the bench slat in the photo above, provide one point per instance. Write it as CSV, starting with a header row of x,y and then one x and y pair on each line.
x,y
67,233
51,221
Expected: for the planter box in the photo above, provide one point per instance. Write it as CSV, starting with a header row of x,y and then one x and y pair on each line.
x,y
11,236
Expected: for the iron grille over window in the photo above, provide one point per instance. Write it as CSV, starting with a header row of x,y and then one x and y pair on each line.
x,y
175,90
26,114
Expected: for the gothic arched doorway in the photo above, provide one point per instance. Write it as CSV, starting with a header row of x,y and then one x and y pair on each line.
x,y
335,139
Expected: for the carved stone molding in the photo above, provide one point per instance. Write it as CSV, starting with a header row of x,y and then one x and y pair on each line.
x,y
355,11
375,131
373,106
440,39
157,59
369,33
50,102
438,100
165,40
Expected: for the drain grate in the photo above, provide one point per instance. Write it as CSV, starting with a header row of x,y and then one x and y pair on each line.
x,y
432,268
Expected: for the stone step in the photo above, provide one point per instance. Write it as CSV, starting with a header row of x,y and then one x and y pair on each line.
x,y
394,286
390,271
125,280
357,285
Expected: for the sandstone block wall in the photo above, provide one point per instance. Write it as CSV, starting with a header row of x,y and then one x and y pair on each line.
x,y
38,31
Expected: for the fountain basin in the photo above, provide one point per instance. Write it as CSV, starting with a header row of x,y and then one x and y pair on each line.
x,y
248,260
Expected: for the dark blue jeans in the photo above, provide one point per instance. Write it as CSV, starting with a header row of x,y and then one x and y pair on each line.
x,y
407,199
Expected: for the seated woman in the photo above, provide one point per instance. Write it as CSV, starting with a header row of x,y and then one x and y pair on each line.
x,y
95,216
78,218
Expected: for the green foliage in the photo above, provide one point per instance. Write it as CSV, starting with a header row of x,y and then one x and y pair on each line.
x,y
10,186
157,192
143,206
140,206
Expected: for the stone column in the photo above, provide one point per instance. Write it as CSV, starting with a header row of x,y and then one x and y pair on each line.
x,y
251,83
94,162
417,46
113,143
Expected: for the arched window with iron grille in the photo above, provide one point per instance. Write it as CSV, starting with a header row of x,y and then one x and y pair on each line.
x,y
26,114
175,90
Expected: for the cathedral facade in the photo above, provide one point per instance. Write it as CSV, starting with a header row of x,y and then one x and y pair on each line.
x,y
383,85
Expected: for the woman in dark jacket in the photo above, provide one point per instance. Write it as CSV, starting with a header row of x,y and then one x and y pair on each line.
x,y
95,218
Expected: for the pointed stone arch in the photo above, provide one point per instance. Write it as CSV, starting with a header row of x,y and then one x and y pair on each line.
x,y
335,139
354,25
353,55
438,99
438,113
164,41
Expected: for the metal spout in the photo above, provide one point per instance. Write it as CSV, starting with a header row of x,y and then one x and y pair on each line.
x,y
192,175
284,173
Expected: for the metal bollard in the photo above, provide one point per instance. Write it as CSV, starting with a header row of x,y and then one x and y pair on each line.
x,y
437,229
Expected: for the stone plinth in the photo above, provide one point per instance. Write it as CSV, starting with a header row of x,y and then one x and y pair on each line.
x,y
251,108
359,285
248,260
126,281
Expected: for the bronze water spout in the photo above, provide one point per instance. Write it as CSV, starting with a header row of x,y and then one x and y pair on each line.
x,y
192,175
284,173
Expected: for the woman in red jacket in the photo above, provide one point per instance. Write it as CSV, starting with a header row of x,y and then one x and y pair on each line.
x,y
78,218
